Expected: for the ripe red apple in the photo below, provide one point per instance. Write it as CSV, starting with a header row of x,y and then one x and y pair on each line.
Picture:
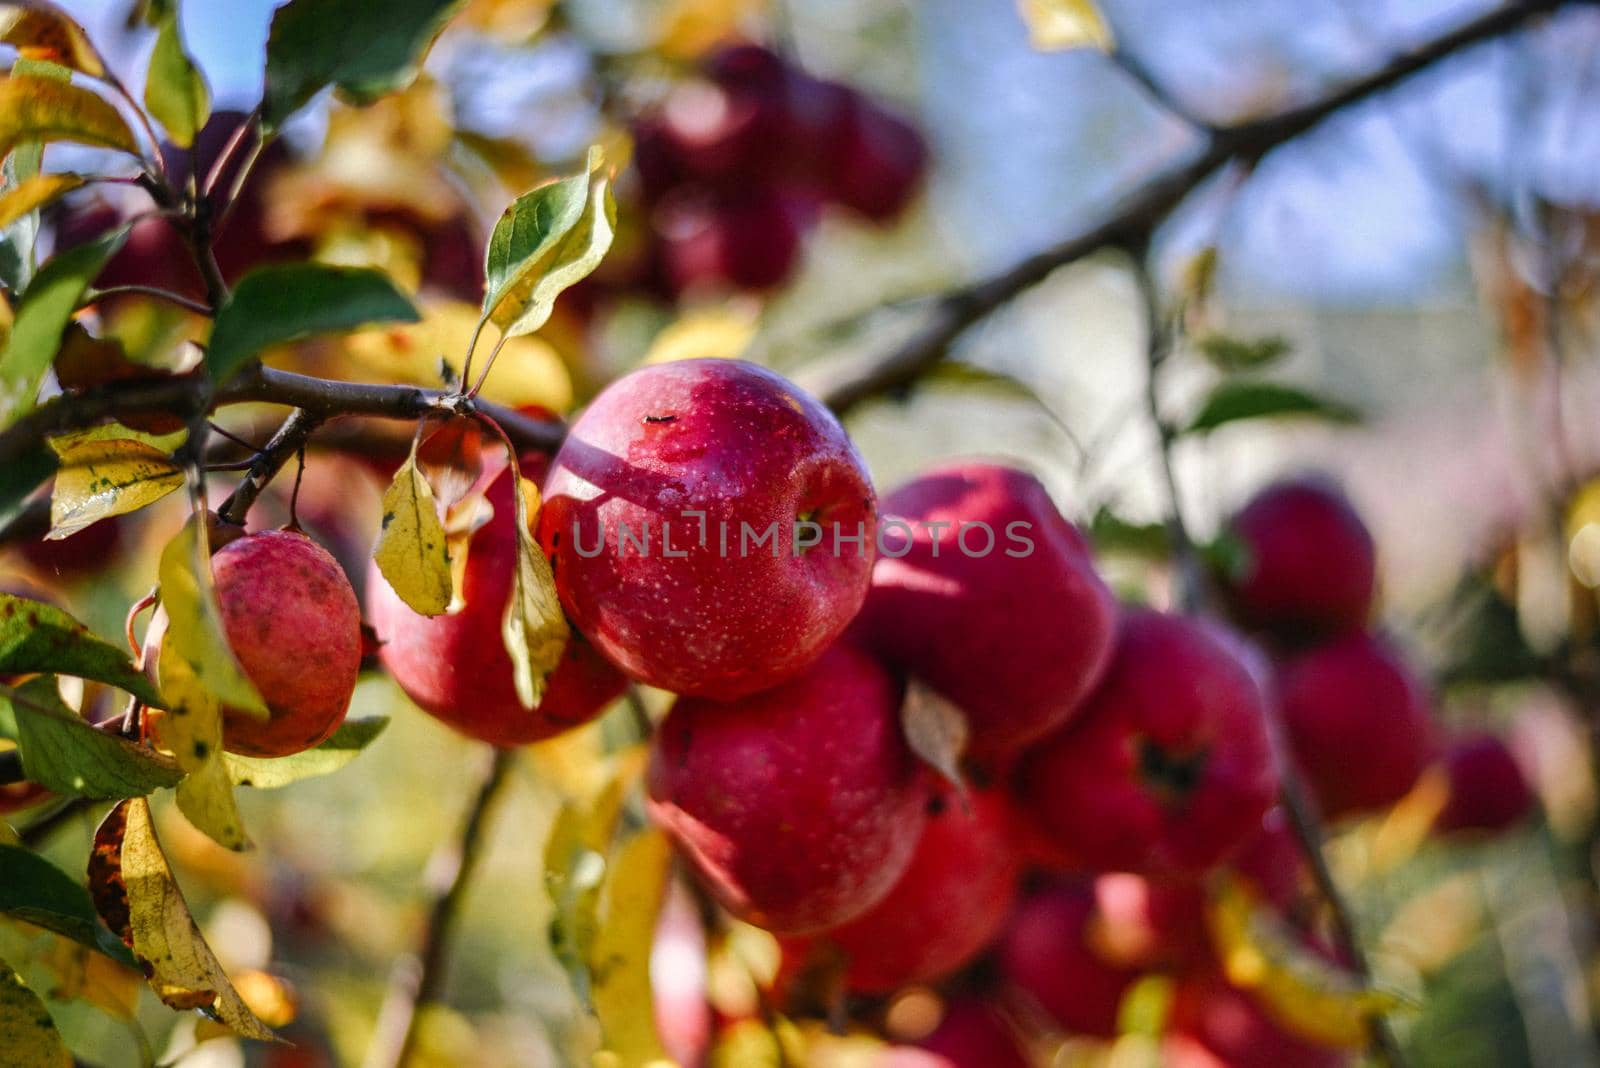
x,y
1047,957
748,239
294,624
1168,767
1013,625
1357,721
653,511
972,1034
1308,564
882,162
799,807
455,666
16,796
1488,791
1214,1025
88,551
948,905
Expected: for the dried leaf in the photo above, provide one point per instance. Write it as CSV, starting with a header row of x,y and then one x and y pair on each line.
x,y
39,30
1057,25
411,552
192,729
103,477
935,729
33,108
33,193
630,903
534,628
195,632
1306,993
180,966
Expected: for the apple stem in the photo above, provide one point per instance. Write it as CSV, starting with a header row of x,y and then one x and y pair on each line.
x,y
416,978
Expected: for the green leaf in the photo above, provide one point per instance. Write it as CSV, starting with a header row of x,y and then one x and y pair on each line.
x,y
363,47
284,302
194,627
27,1034
343,746
64,753
20,477
1234,401
37,637
175,92
1110,533
1055,25
35,891
1229,353
544,242
42,316
34,108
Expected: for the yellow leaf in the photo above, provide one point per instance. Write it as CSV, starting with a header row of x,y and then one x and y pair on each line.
x,y
630,902
534,629
1056,25
106,477
39,31
1303,991
411,551
194,621
32,193
43,109
192,729
529,371
717,332
27,1035
935,729
181,967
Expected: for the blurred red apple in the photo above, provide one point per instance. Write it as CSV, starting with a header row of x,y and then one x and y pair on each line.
x,y
1488,791
1046,956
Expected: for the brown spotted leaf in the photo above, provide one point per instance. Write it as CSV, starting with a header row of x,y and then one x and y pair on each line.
x,y
182,969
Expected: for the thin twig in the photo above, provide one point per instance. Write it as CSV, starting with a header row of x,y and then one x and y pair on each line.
x,y
416,980
290,439
167,295
1308,833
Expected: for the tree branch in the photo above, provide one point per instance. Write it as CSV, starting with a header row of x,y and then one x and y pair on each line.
x,y
1138,213
290,439
416,980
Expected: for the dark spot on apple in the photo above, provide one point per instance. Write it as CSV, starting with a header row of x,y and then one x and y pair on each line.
x,y
1172,775
661,419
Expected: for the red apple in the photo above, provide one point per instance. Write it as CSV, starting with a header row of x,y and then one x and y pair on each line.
x,y
653,511
972,1034
1307,561
455,666
949,904
89,551
1357,721
749,239
294,624
1168,768
16,796
1488,791
1047,957
986,593
800,806
882,162
1213,1025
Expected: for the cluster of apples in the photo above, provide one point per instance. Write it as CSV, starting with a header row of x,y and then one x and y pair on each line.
x,y
713,532
734,165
